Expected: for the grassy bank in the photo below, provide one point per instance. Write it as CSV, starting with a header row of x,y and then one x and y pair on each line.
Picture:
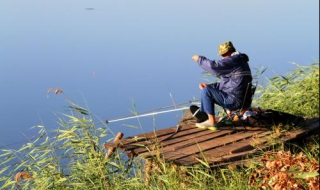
x,y
73,157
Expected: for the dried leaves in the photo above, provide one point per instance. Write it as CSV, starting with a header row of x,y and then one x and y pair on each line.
x,y
22,175
283,170
55,90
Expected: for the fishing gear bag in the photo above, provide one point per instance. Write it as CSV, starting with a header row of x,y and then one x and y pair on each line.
x,y
269,117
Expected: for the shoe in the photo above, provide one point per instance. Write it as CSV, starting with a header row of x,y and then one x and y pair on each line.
x,y
207,125
199,115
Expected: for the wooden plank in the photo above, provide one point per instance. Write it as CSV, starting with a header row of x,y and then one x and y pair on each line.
x,y
147,136
233,157
311,125
208,144
190,146
186,139
239,146
111,150
232,148
223,160
180,136
142,137
238,156
143,146
204,135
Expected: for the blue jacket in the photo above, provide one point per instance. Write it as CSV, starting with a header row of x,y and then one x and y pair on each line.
x,y
234,73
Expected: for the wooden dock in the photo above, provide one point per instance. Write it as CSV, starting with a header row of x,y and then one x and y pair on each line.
x,y
185,144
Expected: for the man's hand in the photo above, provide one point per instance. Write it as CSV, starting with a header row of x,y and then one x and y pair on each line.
x,y
202,85
195,58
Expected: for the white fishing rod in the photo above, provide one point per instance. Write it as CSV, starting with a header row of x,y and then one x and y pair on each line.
x,y
153,112
144,115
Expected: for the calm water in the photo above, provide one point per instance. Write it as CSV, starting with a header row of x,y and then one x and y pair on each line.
x,y
106,54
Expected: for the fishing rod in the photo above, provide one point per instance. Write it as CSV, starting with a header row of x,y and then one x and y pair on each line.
x,y
154,111
144,115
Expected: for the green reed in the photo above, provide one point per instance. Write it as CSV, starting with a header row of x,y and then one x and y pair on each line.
x,y
296,92
70,158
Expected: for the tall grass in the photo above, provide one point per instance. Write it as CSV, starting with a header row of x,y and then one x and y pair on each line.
x,y
296,92
73,157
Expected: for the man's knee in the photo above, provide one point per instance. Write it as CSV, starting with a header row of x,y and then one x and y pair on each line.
x,y
205,92
208,91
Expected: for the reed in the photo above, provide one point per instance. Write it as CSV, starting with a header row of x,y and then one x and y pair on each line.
x,y
296,92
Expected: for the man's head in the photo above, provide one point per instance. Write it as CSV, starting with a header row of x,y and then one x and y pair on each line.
x,y
226,48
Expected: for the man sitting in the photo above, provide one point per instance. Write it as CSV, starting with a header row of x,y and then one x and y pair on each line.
x,y
232,90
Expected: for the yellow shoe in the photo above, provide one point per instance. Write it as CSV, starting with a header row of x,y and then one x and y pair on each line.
x,y
207,125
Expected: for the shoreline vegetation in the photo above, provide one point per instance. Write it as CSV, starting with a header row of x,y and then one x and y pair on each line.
x,y
73,157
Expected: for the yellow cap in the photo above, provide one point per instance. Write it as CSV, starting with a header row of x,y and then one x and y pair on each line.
x,y
225,47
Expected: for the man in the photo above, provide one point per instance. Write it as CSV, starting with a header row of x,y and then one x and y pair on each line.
x,y
233,89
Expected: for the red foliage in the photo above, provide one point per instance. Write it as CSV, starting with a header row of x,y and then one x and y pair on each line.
x,y
283,170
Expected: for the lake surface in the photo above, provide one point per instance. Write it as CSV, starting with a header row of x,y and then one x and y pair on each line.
x,y
105,55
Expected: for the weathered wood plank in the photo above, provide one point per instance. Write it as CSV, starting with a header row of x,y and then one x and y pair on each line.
x,y
229,149
147,136
187,139
190,146
238,156
208,144
184,138
146,145
111,150
311,125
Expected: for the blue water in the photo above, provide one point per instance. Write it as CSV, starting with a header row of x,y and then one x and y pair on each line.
x,y
106,54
